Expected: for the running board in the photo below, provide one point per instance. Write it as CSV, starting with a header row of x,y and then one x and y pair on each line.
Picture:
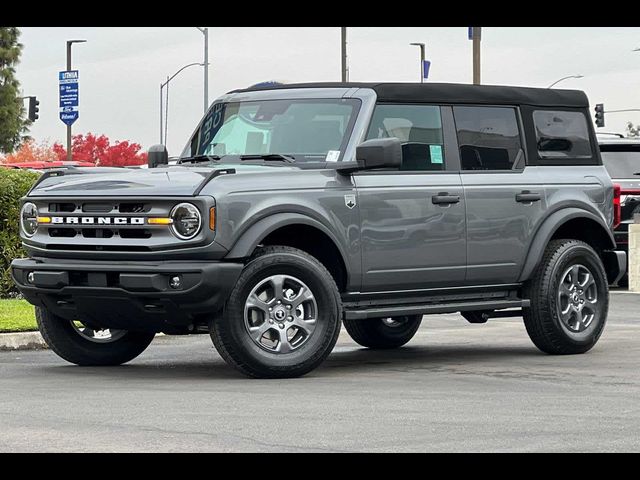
x,y
360,313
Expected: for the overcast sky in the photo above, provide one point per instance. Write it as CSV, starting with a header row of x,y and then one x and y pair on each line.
x,y
121,68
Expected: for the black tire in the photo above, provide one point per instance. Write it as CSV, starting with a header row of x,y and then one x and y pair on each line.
x,y
377,333
543,318
67,343
231,337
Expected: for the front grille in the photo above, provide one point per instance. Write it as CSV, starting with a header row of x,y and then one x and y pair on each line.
x,y
131,234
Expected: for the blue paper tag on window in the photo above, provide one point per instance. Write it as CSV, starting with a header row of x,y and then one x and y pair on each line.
x,y
436,153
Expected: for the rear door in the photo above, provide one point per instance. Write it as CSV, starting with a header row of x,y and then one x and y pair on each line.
x,y
505,198
413,219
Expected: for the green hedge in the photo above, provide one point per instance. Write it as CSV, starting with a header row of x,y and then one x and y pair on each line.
x,y
13,185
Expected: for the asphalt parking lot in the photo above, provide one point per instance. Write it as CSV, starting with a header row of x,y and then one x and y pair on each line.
x,y
455,387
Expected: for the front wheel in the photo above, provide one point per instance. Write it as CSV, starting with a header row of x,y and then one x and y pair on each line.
x,y
82,345
383,333
569,297
282,318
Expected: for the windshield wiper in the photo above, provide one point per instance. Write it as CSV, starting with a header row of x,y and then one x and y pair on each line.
x,y
270,157
199,159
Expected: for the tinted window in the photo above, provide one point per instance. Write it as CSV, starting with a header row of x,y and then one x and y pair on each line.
x,y
621,161
561,135
489,138
419,128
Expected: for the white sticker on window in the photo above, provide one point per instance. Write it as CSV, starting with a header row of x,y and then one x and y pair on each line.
x,y
332,156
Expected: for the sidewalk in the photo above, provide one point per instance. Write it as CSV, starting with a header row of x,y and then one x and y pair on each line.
x,y
21,341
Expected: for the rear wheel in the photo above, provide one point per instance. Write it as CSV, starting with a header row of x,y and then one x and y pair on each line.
x,y
569,299
83,345
383,333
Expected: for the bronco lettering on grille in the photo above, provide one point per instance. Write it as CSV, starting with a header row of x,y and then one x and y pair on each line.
x,y
98,220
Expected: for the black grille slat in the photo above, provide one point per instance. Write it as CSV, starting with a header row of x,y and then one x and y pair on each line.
x,y
97,207
62,232
135,233
99,248
62,207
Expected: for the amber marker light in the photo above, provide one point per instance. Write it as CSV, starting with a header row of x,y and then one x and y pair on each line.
x,y
212,218
160,221
43,219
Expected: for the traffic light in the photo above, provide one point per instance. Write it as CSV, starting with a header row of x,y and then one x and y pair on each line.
x,y
33,109
599,114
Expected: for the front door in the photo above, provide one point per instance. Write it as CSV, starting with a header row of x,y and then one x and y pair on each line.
x,y
413,219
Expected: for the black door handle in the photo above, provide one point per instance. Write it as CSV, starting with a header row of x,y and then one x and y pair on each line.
x,y
527,197
444,198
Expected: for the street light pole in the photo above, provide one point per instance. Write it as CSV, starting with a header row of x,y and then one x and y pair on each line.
x,y
343,52
205,32
476,37
69,43
166,84
422,57
565,78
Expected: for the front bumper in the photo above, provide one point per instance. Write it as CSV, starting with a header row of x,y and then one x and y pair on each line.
x,y
128,295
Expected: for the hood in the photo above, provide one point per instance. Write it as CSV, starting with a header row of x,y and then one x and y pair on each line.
x,y
167,181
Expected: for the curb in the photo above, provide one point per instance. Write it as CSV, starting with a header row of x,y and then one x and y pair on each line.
x,y
22,341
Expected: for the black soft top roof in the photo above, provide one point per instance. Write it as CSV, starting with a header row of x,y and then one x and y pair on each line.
x,y
454,93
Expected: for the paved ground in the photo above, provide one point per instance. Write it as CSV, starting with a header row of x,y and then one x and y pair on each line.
x,y
456,387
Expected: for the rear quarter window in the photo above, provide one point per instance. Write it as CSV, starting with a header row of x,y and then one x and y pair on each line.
x,y
561,136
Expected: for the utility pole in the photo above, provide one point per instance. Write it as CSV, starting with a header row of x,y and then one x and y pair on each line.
x,y
476,36
69,43
345,68
422,57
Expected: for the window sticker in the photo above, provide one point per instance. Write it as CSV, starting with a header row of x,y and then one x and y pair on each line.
x,y
436,153
332,156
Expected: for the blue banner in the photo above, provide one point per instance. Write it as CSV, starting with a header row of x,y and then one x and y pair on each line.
x,y
69,108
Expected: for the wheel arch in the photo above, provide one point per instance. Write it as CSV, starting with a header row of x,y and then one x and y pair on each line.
x,y
572,223
294,230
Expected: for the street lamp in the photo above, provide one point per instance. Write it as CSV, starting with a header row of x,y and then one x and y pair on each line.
x,y
166,84
422,56
69,43
564,78
205,32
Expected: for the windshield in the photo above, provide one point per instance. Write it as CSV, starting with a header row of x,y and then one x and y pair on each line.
x,y
621,161
307,130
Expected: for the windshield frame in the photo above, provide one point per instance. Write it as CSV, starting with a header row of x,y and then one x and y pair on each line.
x,y
354,135
354,103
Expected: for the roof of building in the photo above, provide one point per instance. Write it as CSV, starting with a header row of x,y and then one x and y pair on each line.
x,y
453,93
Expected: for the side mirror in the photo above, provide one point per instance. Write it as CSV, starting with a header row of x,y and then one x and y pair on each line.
x,y
379,153
157,156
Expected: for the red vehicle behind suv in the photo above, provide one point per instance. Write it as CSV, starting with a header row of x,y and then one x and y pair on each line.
x,y
621,157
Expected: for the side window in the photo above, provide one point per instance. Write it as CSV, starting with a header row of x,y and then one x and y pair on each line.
x,y
419,128
489,138
561,135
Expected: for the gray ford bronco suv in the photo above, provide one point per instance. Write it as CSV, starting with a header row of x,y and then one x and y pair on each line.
x,y
296,208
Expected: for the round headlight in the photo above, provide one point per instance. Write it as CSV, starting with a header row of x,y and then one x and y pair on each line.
x,y
29,219
186,221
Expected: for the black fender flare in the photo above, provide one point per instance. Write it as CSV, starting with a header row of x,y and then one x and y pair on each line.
x,y
252,236
546,231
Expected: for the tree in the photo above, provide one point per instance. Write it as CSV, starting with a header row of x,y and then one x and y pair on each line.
x,y
633,131
30,151
12,121
98,150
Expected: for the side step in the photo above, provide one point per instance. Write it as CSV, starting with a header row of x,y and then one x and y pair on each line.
x,y
377,311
